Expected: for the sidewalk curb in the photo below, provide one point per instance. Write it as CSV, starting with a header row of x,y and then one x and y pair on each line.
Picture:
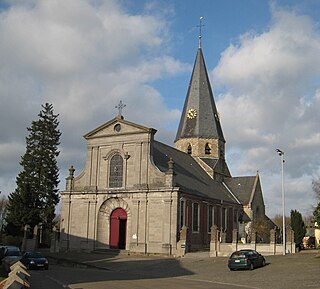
x,y
72,263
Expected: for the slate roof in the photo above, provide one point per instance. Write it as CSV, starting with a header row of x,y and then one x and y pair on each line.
x,y
199,96
242,187
210,162
218,165
190,177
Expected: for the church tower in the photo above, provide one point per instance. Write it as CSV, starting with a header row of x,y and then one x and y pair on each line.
x,y
200,133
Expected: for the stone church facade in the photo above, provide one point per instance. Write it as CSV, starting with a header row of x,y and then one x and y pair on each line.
x,y
137,194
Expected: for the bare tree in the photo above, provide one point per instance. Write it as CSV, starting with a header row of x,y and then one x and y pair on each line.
x,y
3,213
278,220
316,188
262,229
3,209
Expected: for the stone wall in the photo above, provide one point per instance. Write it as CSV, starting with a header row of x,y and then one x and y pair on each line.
x,y
198,146
218,248
87,225
147,195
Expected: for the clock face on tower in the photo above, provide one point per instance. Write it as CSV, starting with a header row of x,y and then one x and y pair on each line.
x,y
192,113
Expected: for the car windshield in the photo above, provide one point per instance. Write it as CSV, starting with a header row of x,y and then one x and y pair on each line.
x,y
13,253
34,255
239,255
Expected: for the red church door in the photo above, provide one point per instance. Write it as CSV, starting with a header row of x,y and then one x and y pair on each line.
x,y
118,229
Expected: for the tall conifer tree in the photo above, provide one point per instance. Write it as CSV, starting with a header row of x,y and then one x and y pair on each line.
x,y
298,227
36,194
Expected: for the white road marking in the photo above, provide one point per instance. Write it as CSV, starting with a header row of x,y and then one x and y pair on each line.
x,y
99,260
57,281
216,282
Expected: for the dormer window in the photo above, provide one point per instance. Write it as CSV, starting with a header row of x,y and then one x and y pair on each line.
x,y
189,149
207,149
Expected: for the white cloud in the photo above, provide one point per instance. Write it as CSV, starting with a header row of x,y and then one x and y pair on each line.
x,y
272,94
287,52
8,152
298,194
312,141
83,57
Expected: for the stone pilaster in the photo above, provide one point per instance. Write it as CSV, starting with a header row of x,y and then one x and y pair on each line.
x,y
182,245
166,227
290,244
234,239
223,237
214,242
253,239
170,174
70,179
273,241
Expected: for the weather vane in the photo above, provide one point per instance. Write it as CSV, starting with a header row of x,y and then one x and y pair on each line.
x,y
200,31
120,107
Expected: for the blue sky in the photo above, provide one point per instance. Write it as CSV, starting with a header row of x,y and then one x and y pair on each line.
x,y
84,56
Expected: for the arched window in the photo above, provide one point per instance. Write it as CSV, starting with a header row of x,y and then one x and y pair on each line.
x,y
182,213
195,217
207,149
189,149
210,217
116,171
257,212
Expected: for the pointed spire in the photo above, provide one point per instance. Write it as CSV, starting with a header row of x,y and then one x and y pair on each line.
x,y
200,118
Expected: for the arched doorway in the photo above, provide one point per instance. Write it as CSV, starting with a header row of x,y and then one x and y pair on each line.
x,y
118,229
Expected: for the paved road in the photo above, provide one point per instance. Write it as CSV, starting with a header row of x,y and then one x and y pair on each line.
x,y
59,277
292,271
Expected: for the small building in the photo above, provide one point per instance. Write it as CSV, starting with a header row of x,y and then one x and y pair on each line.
x,y
317,235
136,193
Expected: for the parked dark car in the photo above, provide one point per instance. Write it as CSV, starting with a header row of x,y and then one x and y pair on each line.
x,y
9,251
246,259
34,260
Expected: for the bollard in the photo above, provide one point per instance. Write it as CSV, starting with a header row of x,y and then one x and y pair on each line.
x,y
18,277
18,264
18,269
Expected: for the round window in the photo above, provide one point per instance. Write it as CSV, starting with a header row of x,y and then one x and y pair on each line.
x,y
117,127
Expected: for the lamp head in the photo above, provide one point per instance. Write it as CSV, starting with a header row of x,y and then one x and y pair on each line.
x,y
280,152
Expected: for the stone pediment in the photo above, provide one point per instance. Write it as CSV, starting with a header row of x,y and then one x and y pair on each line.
x,y
118,126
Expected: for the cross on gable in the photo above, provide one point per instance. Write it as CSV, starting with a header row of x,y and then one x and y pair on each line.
x,y
120,107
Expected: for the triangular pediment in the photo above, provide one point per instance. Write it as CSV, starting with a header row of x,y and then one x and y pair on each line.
x,y
117,126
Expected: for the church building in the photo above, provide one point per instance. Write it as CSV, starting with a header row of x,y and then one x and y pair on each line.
x,y
136,193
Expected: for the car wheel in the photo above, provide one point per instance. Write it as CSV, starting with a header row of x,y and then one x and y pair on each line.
x,y
263,263
251,266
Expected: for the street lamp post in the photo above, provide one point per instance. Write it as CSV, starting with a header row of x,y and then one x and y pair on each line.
x,y
281,154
